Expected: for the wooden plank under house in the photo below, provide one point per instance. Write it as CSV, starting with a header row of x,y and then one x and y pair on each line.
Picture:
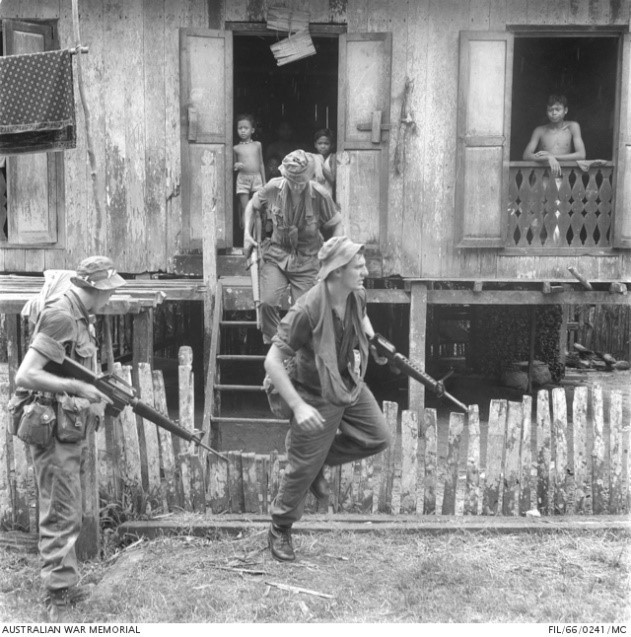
x,y
432,105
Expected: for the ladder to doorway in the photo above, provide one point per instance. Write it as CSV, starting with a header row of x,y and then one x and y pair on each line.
x,y
236,403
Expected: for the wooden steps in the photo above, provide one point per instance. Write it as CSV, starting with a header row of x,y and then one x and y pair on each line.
x,y
239,413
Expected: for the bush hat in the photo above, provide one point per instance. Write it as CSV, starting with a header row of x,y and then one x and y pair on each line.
x,y
336,253
298,167
97,273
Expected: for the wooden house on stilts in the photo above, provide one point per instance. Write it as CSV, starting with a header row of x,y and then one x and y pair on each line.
x,y
432,104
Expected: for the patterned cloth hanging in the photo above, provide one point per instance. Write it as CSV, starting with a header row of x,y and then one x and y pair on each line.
x,y
37,110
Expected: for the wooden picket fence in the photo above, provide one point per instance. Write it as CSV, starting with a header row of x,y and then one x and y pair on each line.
x,y
550,456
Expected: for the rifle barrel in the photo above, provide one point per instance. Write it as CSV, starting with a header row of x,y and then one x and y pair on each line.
x,y
148,412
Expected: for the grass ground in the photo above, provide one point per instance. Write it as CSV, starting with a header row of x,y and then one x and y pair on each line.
x,y
364,577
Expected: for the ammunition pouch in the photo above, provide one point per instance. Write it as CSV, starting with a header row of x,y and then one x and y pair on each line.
x,y
73,417
17,402
37,421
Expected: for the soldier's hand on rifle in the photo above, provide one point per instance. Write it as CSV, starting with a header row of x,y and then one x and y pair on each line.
x,y
249,243
85,390
380,360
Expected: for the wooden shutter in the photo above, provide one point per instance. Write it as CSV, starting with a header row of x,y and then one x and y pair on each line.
x,y
206,118
363,130
484,97
622,201
34,180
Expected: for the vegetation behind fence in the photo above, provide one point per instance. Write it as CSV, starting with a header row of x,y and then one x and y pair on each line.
x,y
544,454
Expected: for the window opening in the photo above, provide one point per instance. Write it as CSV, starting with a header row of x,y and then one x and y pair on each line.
x,y
573,209
289,103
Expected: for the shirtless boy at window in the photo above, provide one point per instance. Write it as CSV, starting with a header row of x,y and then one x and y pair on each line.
x,y
553,142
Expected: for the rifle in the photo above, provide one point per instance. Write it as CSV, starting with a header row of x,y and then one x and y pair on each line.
x,y
253,265
385,348
122,394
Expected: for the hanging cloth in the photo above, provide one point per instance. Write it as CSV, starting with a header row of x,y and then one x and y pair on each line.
x,y
36,103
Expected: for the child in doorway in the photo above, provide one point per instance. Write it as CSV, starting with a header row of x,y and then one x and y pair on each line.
x,y
324,159
554,141
248,162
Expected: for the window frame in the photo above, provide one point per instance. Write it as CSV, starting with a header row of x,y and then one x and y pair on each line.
x,y
55,159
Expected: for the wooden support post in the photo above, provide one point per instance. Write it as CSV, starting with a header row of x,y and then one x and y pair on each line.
x,y
218,493
582,461
472,486
409,460
143,338
235,481
418,329
565,319
510,501
456,426
431,454
492,494
346,486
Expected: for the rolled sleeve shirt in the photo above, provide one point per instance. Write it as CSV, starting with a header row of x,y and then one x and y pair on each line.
x,y
314,212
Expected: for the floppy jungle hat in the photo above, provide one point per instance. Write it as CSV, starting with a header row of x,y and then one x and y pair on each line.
x,y
97,273
335,253
298,167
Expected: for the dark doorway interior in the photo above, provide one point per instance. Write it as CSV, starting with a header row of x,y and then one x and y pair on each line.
x,y
584,70
301,93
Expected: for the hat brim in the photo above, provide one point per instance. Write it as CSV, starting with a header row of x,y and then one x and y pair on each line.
x,y
340,260
111,283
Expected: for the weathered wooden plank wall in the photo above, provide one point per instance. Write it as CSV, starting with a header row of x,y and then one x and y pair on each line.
x,y
132,80
132,83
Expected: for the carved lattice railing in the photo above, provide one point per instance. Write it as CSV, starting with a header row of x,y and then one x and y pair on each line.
x,y
571,211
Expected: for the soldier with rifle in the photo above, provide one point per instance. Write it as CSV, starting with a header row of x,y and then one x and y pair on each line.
x,y
61,409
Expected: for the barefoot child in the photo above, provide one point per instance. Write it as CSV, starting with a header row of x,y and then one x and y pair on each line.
x,y
324,159
248,162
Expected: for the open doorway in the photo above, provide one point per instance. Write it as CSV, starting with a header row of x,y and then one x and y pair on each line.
x,y
581,68
295,100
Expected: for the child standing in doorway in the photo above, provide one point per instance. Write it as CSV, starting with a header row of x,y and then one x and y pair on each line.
x,y
324,159
248,162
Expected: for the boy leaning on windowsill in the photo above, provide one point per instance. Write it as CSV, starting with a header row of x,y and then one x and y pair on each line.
x,y
554,141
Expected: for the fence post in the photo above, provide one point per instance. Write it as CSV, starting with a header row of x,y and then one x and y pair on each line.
x,y
616,495
235,481
250,483
600,483
431,453
168,489
582,461
456,425
390,411
152,453
409,457
514,420
492,493
528,469
563,496
218,493
544,497
5,489
472,488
